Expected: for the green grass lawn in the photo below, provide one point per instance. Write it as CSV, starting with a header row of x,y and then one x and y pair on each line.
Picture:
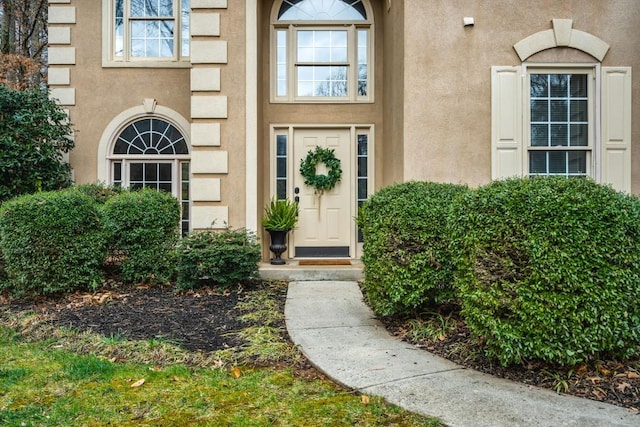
x,y
57,376
44,385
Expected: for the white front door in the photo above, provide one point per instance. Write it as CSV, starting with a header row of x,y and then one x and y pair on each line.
x,y
325,224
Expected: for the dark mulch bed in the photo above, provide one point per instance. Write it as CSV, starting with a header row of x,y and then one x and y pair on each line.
x,y
206,319
196,320
610,381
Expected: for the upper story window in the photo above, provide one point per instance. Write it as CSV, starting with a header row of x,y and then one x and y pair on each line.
x,y
148,30
322,51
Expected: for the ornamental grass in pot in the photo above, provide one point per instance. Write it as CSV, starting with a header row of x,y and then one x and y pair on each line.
x,y
280,217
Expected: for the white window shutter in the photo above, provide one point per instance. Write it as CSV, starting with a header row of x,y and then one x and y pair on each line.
x,y
506,122
616,128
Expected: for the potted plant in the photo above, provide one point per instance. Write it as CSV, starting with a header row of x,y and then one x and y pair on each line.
x,y
280,217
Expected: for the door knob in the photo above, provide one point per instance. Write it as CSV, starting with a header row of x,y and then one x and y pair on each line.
x,y
296,190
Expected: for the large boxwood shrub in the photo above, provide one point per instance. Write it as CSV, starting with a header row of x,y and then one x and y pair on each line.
x,y
51,243
143,230
406,248
221,258
549,269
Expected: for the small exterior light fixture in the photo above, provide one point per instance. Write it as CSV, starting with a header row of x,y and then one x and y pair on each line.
x,y
468,21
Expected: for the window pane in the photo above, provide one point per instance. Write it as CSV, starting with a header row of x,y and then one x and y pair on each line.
x,y
362,145
186,32
578,162
539,84
322,46
281,145
362,166
281,190
322,81
579,85
559,135
281,168
559,111
117,172
540,135
185,210
135,171
537,162
557,162
152,39
559,85
164,186
318,10
150,172
362,188
164,172
579,135
579,111
539,110
151,8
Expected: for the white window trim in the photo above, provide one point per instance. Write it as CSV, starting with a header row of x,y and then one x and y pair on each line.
x,y
591,69
352,27
108,60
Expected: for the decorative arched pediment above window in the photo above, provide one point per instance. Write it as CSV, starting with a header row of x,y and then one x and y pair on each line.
x,y
562,35
322,10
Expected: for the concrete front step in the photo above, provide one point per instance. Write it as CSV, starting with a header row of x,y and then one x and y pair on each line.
x,y
293,271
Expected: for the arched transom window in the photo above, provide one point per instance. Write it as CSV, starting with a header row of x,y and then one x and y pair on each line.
x,y
153,153
322,51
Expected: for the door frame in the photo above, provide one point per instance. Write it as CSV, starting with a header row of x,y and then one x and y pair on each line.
x,y
288,129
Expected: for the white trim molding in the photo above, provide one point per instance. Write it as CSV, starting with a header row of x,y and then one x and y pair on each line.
x,y
562,35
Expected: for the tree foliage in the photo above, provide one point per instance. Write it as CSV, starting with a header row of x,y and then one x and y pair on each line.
x,y
34,135
23,41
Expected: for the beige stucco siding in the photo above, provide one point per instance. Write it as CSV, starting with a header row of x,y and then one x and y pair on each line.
x,y
447,80
103,93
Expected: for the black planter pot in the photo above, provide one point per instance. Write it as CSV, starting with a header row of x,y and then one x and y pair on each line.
x,y
278,245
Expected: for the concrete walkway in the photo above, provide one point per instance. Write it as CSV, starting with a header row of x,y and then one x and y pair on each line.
x,y
340,336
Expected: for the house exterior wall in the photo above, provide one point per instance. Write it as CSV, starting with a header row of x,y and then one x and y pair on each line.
x,y
392,147
103,93
431,113
447,80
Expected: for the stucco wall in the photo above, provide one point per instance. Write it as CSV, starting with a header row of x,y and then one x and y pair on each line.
x,y
392,148
103,93
447,80
233,134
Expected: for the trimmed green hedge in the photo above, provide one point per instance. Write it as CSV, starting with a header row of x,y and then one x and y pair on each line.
x,y
549,269
406,252
51,243
143,229
222,258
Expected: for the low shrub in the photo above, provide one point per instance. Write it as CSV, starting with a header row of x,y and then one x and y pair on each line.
x,y
406,248
99,192
221,258
549,269
143,229
51,243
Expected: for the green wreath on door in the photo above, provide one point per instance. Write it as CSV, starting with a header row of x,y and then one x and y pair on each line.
x,y
321,182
